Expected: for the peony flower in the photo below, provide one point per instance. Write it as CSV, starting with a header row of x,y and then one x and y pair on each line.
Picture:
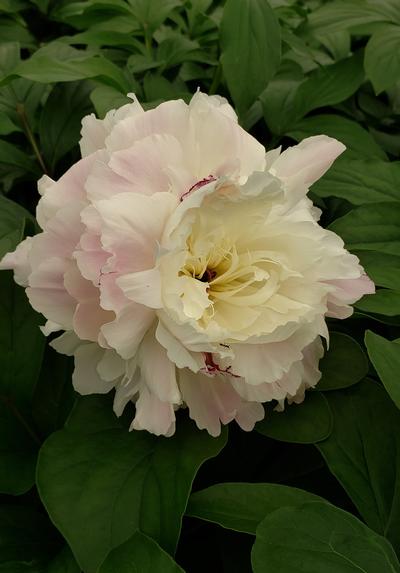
x,y
186,266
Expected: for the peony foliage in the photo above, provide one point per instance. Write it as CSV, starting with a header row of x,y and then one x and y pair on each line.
x,y
199,254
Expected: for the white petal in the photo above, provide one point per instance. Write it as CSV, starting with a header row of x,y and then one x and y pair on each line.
x,y
85,379
153,415
18,261
157,371
143,287
308,160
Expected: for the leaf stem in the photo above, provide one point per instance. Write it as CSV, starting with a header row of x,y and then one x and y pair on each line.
x,y
30,136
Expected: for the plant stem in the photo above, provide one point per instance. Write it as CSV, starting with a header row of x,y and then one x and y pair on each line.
x,y
216,80
30,136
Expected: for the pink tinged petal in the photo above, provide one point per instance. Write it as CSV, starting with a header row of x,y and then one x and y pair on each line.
x,y
171,117
347,291
157,371
88,319
111,295
47,293
94,131
103,182
211,400
18,261
143,287
69,188
86,379
248,414
308,160
133,226
177,352
146,164
219,146
126,332
153,415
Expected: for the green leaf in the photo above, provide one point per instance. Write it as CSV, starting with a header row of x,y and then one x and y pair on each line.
x,y
19,322
385,356
242,506
54,395
7,126
361,181
59,132
382,268
15,163
306,423
152,14
363,453
100,483
58,62
142,554
344,364
12,31
382,58
339,14
316,537
18,451
251,49
105,98
359,142
328,85
25,535
19,369
384,301
13,218
64,562
371,228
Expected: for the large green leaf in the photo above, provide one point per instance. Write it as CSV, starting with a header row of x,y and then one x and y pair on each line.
x,y
318,537
19,363
385,356
382,268
58,62
306,423
64,562
344,364
54,395
59,132
382,57
328,85
339,14
100,483
18,450
242,506
371,227
361,181
142,554
25,536
251,49
359,142
363,452
384,301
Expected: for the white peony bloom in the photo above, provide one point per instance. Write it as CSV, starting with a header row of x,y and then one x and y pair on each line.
x,y
187,266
